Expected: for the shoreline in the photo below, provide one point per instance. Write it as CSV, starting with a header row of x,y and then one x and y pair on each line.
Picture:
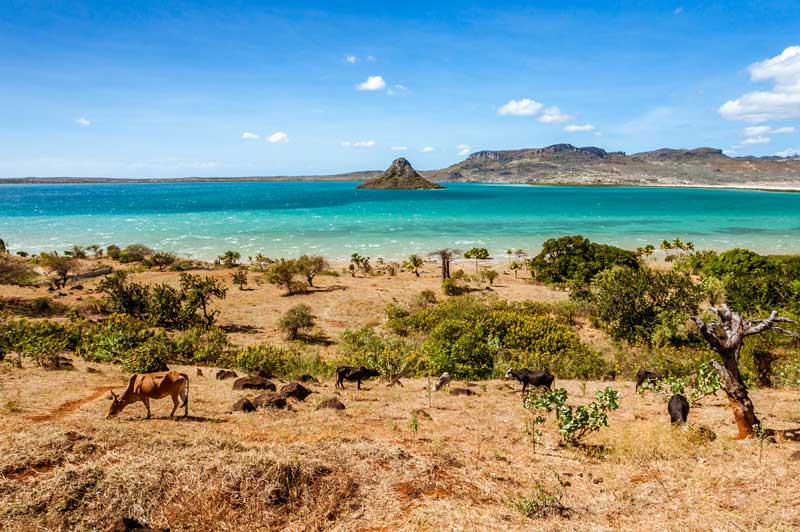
x,y
765,187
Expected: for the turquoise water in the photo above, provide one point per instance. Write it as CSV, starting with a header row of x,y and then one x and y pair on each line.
x,y
202,220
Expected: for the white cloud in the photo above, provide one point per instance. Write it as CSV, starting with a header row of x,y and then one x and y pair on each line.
x,y
397,89
83,122
730,152
552,115
351,59
399,148
463,149
779,103
427,149
678,11
789,152
278,137
575,128
523,107
250,136
751,141
755,131
370,58
359,144
373,83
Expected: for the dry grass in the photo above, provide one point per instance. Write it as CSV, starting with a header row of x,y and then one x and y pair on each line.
x,y
64,467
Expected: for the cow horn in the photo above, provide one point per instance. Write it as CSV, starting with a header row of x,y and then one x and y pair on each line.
x,y
113,395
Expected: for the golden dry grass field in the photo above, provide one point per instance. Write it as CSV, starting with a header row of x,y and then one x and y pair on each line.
x,y
466,463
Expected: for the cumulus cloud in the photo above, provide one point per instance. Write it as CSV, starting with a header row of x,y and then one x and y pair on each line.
x,y
373,83
752,141
779,103
576,128
359,144
83,122
523,107
755,131
463,149
789,152
553,115
428,149
370,58
250,136
399,148
278,137
351,59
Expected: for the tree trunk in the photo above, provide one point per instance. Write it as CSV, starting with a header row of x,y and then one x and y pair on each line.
x,y
743,409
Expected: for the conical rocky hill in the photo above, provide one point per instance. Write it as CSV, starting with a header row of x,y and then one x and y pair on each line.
x,y
400,176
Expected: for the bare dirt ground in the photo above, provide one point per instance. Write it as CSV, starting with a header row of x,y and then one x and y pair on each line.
x,y
64,467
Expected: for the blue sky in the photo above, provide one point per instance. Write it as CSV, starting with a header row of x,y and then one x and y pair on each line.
x,y
213,88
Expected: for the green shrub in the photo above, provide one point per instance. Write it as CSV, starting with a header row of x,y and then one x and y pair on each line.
x,y
575,423
204,345
296,318
113,340
16,271
161,260
454,346
575,259
646,306
134,253
388,355
113,252
264,357
450,287
150,356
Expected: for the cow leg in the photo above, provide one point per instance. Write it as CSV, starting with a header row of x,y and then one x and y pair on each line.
x,y
146,402
359,384
174,405
185,393
524,386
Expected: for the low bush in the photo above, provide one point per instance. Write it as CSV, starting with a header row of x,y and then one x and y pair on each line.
x,y
134,253
204,346
296,318
150,356
575,424
388,355
451,287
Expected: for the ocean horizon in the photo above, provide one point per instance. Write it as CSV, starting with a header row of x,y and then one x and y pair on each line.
x,y
287,219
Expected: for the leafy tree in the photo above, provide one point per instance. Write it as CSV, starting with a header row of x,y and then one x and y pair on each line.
x,y
239,278
199,293
282,274
489,275
577,260
359,263
230,258
113,252
477,254
414,263
134,253
296,318
58,269
166,307
132,299
77,252
310,267
162,260
740,262
634,303
515,266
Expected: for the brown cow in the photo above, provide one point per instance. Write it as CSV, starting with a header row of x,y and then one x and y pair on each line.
x,y
145,386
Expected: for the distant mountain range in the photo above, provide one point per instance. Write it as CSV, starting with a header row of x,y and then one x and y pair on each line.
x,y
566,164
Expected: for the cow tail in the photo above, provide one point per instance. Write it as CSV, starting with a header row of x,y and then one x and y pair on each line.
x,y
186,398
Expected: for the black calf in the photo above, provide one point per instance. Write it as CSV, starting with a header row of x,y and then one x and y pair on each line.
x,y
678,408
350,373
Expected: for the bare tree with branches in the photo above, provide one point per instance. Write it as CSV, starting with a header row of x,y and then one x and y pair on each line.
x,y
726,337
445,256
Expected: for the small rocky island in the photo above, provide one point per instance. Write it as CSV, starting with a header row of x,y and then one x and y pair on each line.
x,y
399,176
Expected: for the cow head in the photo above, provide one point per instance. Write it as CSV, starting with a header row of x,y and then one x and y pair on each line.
x,y
509,373
369,372
116,405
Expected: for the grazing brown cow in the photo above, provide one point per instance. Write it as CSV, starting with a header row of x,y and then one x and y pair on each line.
x,y
145,386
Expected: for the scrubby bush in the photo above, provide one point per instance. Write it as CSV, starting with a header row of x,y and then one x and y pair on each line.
x,y
388,355
282,274
204,345
576,260
41,341
456,347
113,252
575,423
310,266
644,305
58,269
489,276
268,358
239,278
113,340
296,318
198,293
150,356
134,253
161,260
16,271
451,287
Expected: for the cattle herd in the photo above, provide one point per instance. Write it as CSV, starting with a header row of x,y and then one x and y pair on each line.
x,y
146,386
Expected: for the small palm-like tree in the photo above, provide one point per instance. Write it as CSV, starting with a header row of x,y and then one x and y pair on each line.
x,y
230,258
414,263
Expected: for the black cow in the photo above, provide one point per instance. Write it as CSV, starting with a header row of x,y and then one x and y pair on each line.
x,y
678,408
651,377
534,378
351,373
